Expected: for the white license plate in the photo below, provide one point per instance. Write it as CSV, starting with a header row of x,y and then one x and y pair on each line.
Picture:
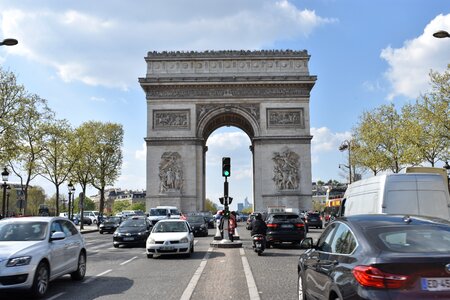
x,y
436,284
128,238
166,248
286,226
258,244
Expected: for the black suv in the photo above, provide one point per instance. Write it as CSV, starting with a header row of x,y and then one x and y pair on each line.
x,y
285,227
314,220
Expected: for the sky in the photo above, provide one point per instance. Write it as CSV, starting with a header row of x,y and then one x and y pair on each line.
x,y
85,57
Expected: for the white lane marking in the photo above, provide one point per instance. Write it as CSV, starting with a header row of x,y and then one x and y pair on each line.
x,y
96,276
56,296
131,259
194,280
252,289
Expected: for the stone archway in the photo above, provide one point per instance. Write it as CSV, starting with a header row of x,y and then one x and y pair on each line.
x,y
264,93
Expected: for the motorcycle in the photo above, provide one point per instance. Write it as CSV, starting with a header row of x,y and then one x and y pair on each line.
x,y
259,243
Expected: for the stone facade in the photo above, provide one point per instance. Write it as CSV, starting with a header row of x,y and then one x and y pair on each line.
x,y
264,93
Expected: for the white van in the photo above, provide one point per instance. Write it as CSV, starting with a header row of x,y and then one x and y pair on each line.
x,y
412,193
163,212
93,215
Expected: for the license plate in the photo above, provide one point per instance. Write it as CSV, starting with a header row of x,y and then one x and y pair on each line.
x,y
286,226
258,244
436,284
166,248
128,238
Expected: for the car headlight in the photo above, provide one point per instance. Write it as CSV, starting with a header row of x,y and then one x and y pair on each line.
x,y
102,225
142,233
203,226
184,240
150,240
116,233
18,261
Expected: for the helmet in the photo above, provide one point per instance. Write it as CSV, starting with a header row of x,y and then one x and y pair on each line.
x,y
258,216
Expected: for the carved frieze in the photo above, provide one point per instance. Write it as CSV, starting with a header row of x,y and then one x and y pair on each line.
x,y
252,109
234,91
170,173
286,170
285,118
171,119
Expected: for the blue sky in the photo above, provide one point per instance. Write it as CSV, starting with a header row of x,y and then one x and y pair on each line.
x,y
85,58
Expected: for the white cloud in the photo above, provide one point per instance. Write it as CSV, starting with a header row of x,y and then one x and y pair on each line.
x,y
141,154
106,46
229,140
98,99
410,65
325,141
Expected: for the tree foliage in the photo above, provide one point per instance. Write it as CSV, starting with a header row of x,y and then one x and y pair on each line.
x,y
210,206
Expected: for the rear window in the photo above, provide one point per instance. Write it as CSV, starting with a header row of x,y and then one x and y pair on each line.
x,y
433,239
284,217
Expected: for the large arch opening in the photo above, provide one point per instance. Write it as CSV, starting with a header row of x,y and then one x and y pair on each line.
x,y
233,142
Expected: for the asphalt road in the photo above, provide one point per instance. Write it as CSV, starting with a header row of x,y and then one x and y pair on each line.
x,y
210,273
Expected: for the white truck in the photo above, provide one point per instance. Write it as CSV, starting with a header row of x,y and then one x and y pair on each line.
x,y
163,212
407,193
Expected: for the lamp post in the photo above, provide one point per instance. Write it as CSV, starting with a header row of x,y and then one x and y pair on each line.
x,y
447,168
73,200
5,175
69,187
9,42
346,146
8,189
441,34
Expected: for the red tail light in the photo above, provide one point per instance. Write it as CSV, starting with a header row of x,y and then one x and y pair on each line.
x,y
299,225
272,225
372,277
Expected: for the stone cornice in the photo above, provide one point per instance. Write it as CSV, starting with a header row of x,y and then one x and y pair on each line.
x,y
262,79
228,53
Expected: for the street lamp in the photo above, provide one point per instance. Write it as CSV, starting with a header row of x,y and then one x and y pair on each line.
x,y
346,146
9,42
70,188
441,34
447,168
5,175
8,189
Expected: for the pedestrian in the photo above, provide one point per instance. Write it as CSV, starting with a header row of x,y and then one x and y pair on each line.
x,y
232,225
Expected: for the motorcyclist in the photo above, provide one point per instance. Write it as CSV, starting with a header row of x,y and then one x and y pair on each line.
x,y
258,225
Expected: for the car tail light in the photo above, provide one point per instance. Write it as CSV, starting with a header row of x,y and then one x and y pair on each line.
x,y
320,218
272,225
299,225
373,277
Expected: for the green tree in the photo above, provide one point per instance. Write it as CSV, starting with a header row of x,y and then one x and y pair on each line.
x,y
247,210
138,206
11,108
210,206
105,156
119,206
36,197
88,204
29,133
55,161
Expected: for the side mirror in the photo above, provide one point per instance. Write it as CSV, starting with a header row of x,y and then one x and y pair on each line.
x,y
307,243
57,235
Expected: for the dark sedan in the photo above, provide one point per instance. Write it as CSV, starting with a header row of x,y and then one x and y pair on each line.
x,y
132,231
198,224
109,225
314,220
284,227
377,257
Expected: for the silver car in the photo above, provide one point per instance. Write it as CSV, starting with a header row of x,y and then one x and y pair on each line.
x,y
36,250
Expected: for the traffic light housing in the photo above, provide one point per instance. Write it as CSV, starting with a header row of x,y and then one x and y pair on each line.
x,y
221,199
226,166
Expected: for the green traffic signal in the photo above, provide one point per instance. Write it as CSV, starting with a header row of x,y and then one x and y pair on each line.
x,y
226,166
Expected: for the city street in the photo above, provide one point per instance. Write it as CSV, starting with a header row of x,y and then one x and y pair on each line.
x,y
210,273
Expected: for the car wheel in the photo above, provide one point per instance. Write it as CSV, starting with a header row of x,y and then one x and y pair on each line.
x,y
95,221
149,255
116,245
321,226
41,280
81,270
192,248
301,289
101,232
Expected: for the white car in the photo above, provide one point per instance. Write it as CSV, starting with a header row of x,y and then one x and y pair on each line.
x,y
170,236
37,250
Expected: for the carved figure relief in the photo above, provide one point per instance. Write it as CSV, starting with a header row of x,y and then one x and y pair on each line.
x,y
285,118
170,172
286,170
175,119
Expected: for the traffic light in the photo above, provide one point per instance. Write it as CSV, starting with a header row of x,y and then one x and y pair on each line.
x,y
221,199
226,166
226,213
230,199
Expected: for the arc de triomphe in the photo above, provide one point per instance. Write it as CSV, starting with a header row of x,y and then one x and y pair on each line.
x,y
264,93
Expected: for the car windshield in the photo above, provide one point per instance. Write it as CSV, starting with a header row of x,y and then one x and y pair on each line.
x,y
170,227
158,212
196,219
284,218
174,212
23,231
431,239
133,223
